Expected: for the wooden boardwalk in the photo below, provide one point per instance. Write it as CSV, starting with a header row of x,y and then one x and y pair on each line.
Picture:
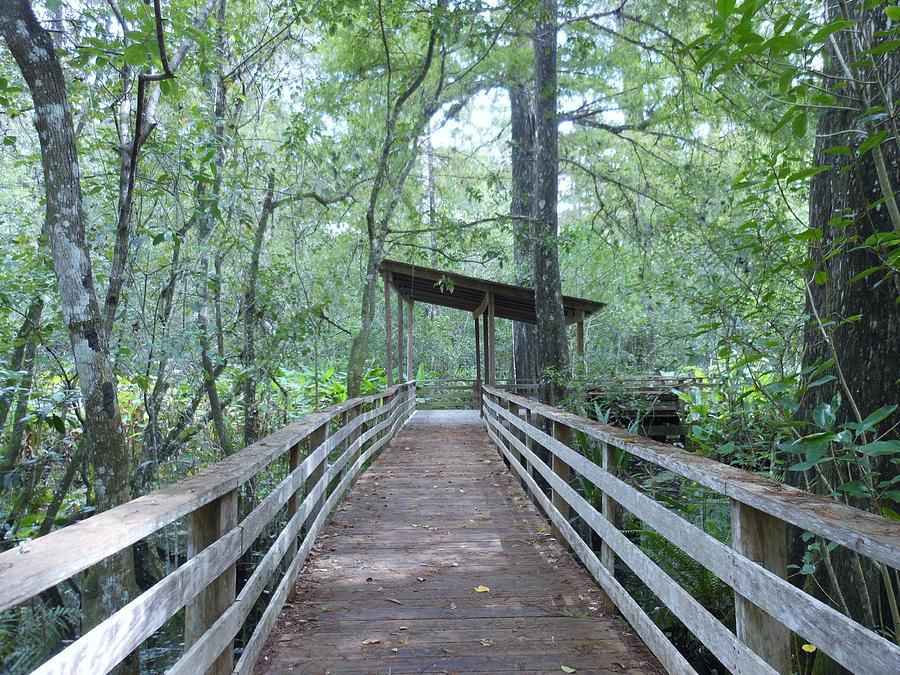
x,y
390,585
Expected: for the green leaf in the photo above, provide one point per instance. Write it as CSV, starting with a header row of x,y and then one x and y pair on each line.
x,y
865,273
823,33
806,464
135,55
880,448
837,150
888,512
883,48
855,488
872,420
893,13
819,381
872,141
798,125
725,7
57,423
824,416
806,173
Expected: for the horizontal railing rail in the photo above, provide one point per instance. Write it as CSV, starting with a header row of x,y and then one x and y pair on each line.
x,y
205,583
767,606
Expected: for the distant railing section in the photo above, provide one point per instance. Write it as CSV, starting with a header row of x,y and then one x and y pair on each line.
x,y
464,393
538,442
324,450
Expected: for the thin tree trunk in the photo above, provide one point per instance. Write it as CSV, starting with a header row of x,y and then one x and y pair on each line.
x,y
378,216
248,356
14,449
111,582
15,363
520,208
206,228
552,346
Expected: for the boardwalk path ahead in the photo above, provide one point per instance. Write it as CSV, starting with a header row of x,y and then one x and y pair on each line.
x,y
390,586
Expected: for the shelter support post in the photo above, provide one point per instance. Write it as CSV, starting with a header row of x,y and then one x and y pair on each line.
x,y
400,346
580,346
492,373
388,336
478,367
410,373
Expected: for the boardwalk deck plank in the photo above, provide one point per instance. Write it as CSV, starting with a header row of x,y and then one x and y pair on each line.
x,y
436,515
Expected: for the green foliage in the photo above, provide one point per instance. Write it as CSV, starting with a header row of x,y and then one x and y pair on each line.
x,y
30,634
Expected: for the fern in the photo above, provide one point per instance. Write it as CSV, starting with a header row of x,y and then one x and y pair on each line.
x,y
31,634
703,585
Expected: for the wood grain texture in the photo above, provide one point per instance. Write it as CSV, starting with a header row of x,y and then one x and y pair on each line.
x,y
60,555
866,533
849,643
440,506
737,657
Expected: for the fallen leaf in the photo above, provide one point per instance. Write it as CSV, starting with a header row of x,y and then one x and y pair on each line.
x,y
394,649
371,641
420,578
452,605
481,589
394,600
286,638
566,669
487,643
808,648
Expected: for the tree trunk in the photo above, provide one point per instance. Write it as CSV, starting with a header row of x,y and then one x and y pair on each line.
x,y
248,355
15,362
359,349
521,115
111,582
206,228
552,346
865,351
14,449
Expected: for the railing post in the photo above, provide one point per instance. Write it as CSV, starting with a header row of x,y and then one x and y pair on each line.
x,y
612,512
316,439
355,412
296,453
529,443
763,539
513,409
205,526
563,434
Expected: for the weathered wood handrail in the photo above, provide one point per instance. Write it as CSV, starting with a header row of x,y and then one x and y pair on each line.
x,y
767,605
451,393
205,582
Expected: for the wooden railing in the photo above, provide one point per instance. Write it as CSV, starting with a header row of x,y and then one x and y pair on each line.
x,y
325,451
447,394
767,606
464,393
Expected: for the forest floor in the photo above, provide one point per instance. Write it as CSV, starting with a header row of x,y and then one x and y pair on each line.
x,y
391,584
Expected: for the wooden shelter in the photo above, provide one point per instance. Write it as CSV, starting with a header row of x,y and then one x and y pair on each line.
x,y
486,300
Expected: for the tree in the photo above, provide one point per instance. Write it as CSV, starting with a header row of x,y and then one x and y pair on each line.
x,y
552,346
852,298
522,163
111,583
